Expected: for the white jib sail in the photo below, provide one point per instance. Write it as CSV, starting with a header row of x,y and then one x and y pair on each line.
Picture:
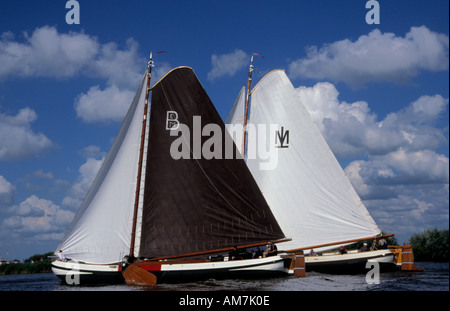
x,y
305,186
100,232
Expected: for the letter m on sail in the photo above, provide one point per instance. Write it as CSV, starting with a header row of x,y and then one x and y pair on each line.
x,y
282,138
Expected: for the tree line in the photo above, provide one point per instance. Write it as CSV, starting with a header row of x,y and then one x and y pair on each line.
x,y
39,263
431,245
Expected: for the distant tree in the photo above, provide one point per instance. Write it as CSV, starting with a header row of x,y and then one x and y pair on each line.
x,y
431,245
39,257
39,263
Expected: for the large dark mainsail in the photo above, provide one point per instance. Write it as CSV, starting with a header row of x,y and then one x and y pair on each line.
x,y
195,204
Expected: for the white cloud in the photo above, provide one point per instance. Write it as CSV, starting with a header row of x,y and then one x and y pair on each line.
x,y
353,173
403,181
227,64
40,174
123,68
110,104
399,167
18,140
351,129
425,110
376,57
87,173
48,53
405,192
419,166
403,203
412,209
6,192
34,217
122,71
91,152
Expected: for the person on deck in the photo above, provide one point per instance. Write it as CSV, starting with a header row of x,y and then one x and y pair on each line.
x,y
374,245
382,244
258,253
272,249
342,250
61,256
364,248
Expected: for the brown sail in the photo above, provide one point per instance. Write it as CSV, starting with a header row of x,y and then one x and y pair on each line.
x,y
194,204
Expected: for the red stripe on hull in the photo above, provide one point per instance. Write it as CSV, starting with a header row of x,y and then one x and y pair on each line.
x,y
151,267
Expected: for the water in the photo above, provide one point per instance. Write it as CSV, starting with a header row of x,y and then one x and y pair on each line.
x,y
435,277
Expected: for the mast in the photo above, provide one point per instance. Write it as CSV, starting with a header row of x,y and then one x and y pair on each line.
x,y
246,112
151,64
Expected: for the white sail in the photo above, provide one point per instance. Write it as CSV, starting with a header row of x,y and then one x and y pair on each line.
x,y
100,232
235,119
307,190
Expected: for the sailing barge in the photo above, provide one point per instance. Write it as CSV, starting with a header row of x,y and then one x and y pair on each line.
x,y
302,181
151,217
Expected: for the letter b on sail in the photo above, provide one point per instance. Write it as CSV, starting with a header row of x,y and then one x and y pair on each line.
x,y
172,121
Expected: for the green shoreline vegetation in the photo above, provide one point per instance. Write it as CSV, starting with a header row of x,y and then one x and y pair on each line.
x,y
431,245
39,263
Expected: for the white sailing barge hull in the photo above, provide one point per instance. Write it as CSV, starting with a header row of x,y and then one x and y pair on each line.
x,y
167,271
352,262
77,273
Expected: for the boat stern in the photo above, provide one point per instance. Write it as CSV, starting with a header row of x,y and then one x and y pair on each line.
x,y
404,257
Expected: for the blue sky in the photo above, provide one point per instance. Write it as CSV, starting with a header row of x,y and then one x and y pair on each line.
x,y
379,93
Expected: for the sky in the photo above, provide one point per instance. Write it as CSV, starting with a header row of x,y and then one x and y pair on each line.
x,y
378,91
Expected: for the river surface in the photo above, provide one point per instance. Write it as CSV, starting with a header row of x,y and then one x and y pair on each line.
x,y
435,277
395,291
